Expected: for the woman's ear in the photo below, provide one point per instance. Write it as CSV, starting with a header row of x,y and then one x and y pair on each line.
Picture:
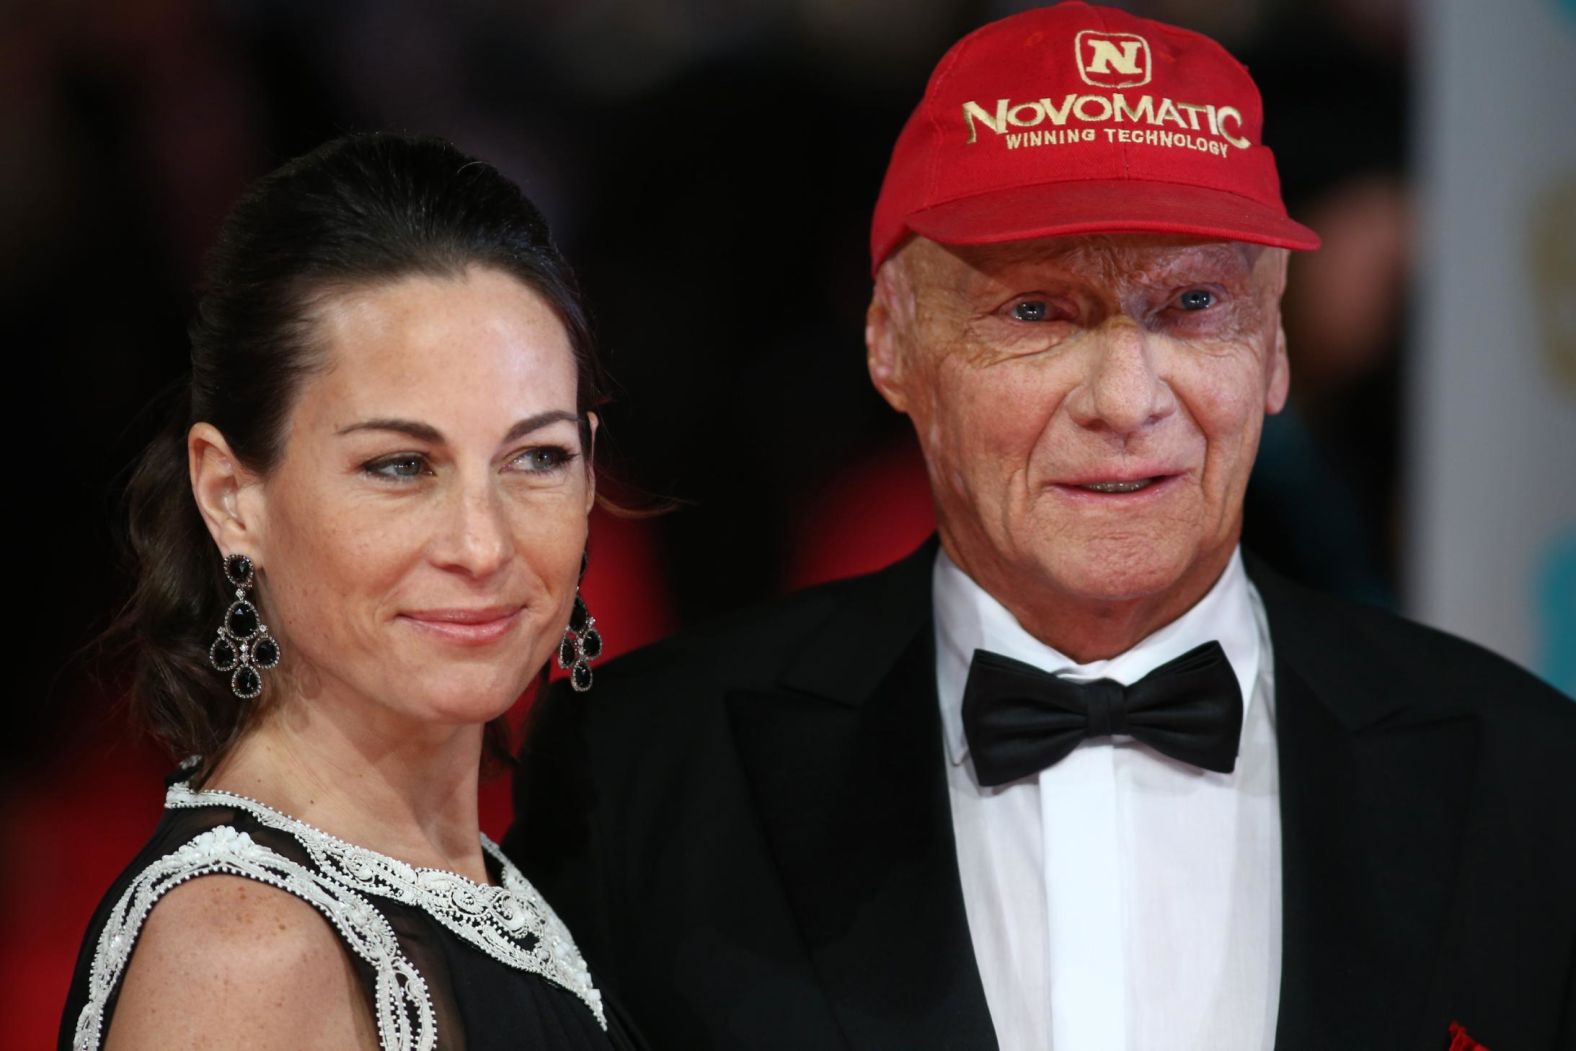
x,y
223,489
592,422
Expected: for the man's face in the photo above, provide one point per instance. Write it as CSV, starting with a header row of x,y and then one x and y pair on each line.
x,y
1089,407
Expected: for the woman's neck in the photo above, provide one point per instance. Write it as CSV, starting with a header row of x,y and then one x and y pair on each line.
x,y
371,778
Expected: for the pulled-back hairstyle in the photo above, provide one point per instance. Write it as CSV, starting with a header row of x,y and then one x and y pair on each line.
x,y
360,210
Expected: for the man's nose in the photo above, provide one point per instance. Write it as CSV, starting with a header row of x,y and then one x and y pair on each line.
x,y
1122,389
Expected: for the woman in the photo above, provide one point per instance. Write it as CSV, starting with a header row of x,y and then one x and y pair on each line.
x,y
357,544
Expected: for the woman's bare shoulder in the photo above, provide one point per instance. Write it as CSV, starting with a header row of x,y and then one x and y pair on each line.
x,y
229,961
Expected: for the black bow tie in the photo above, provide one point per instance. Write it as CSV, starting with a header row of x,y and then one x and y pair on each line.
x,y
1020,720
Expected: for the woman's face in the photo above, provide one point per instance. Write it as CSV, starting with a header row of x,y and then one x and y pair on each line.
x,y
420,538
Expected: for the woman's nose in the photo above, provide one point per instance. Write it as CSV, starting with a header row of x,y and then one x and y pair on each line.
x,y
477,539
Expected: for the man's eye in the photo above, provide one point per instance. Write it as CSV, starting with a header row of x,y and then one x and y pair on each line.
x,y
1030,310
403,467
1196,299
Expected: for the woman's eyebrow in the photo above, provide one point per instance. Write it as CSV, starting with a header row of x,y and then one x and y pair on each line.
x,y
410,428
540,420
427,433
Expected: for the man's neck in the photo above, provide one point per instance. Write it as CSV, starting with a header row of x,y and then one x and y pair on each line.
x,y
1088,628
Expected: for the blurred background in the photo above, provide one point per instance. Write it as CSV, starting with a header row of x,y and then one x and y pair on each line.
x,y
710,170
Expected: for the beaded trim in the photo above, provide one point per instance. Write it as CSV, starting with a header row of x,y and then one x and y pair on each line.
x,y
400,1000
513,923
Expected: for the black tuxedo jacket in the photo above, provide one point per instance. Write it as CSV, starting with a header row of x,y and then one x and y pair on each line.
x,y
748,831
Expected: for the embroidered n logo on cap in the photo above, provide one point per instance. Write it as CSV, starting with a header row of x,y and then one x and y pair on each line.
x,y
1112,60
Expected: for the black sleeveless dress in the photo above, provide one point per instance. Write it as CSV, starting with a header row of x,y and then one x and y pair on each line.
x,y
446,963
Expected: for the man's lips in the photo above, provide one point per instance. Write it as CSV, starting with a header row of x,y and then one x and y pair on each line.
x,y
1120,487
1116,484
474,626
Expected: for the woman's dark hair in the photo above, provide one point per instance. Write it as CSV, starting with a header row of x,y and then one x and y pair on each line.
x,y
360,210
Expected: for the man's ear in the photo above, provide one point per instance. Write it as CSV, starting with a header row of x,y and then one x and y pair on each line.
x,y
1278,367
888,329
226,493
1279,385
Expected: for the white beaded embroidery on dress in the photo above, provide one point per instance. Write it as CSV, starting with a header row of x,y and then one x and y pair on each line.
x,y
400,1001
512,923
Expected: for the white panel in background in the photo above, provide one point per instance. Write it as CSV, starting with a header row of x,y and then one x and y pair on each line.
x,y
1492,376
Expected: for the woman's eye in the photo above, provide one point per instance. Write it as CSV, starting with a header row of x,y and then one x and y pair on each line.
x,y
403,467
1030,310
544,458
1196,299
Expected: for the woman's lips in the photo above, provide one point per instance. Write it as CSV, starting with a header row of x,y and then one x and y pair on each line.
x,y
467,627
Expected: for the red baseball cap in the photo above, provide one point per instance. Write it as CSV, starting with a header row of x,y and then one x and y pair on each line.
x,y
1077,119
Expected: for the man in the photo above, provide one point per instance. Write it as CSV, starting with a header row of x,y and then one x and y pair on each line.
x,y
1077,775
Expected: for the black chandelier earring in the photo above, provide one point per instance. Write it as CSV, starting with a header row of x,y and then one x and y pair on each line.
x,y
244,648
581,645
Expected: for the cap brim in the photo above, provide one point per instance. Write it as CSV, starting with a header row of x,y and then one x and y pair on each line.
x,y
1108,206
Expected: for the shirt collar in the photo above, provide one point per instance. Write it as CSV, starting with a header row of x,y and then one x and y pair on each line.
x,y
969,618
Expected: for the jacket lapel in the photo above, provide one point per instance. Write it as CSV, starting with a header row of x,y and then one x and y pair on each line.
x,y
845,764
1375,790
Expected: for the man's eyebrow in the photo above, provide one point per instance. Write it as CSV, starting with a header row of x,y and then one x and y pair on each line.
x,y
1242,253
1230,253
1231,260
426,433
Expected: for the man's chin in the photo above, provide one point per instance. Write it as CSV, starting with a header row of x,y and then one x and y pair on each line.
x,y
1114,573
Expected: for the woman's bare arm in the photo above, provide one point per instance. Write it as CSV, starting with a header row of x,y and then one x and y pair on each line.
x,y
224,961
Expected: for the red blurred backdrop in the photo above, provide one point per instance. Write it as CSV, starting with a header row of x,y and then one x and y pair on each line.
x,y
64,846
709,169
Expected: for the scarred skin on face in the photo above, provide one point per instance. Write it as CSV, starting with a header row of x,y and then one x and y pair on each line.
x,y
1089,409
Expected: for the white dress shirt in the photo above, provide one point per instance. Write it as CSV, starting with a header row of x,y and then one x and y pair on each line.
x,y
1121,900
